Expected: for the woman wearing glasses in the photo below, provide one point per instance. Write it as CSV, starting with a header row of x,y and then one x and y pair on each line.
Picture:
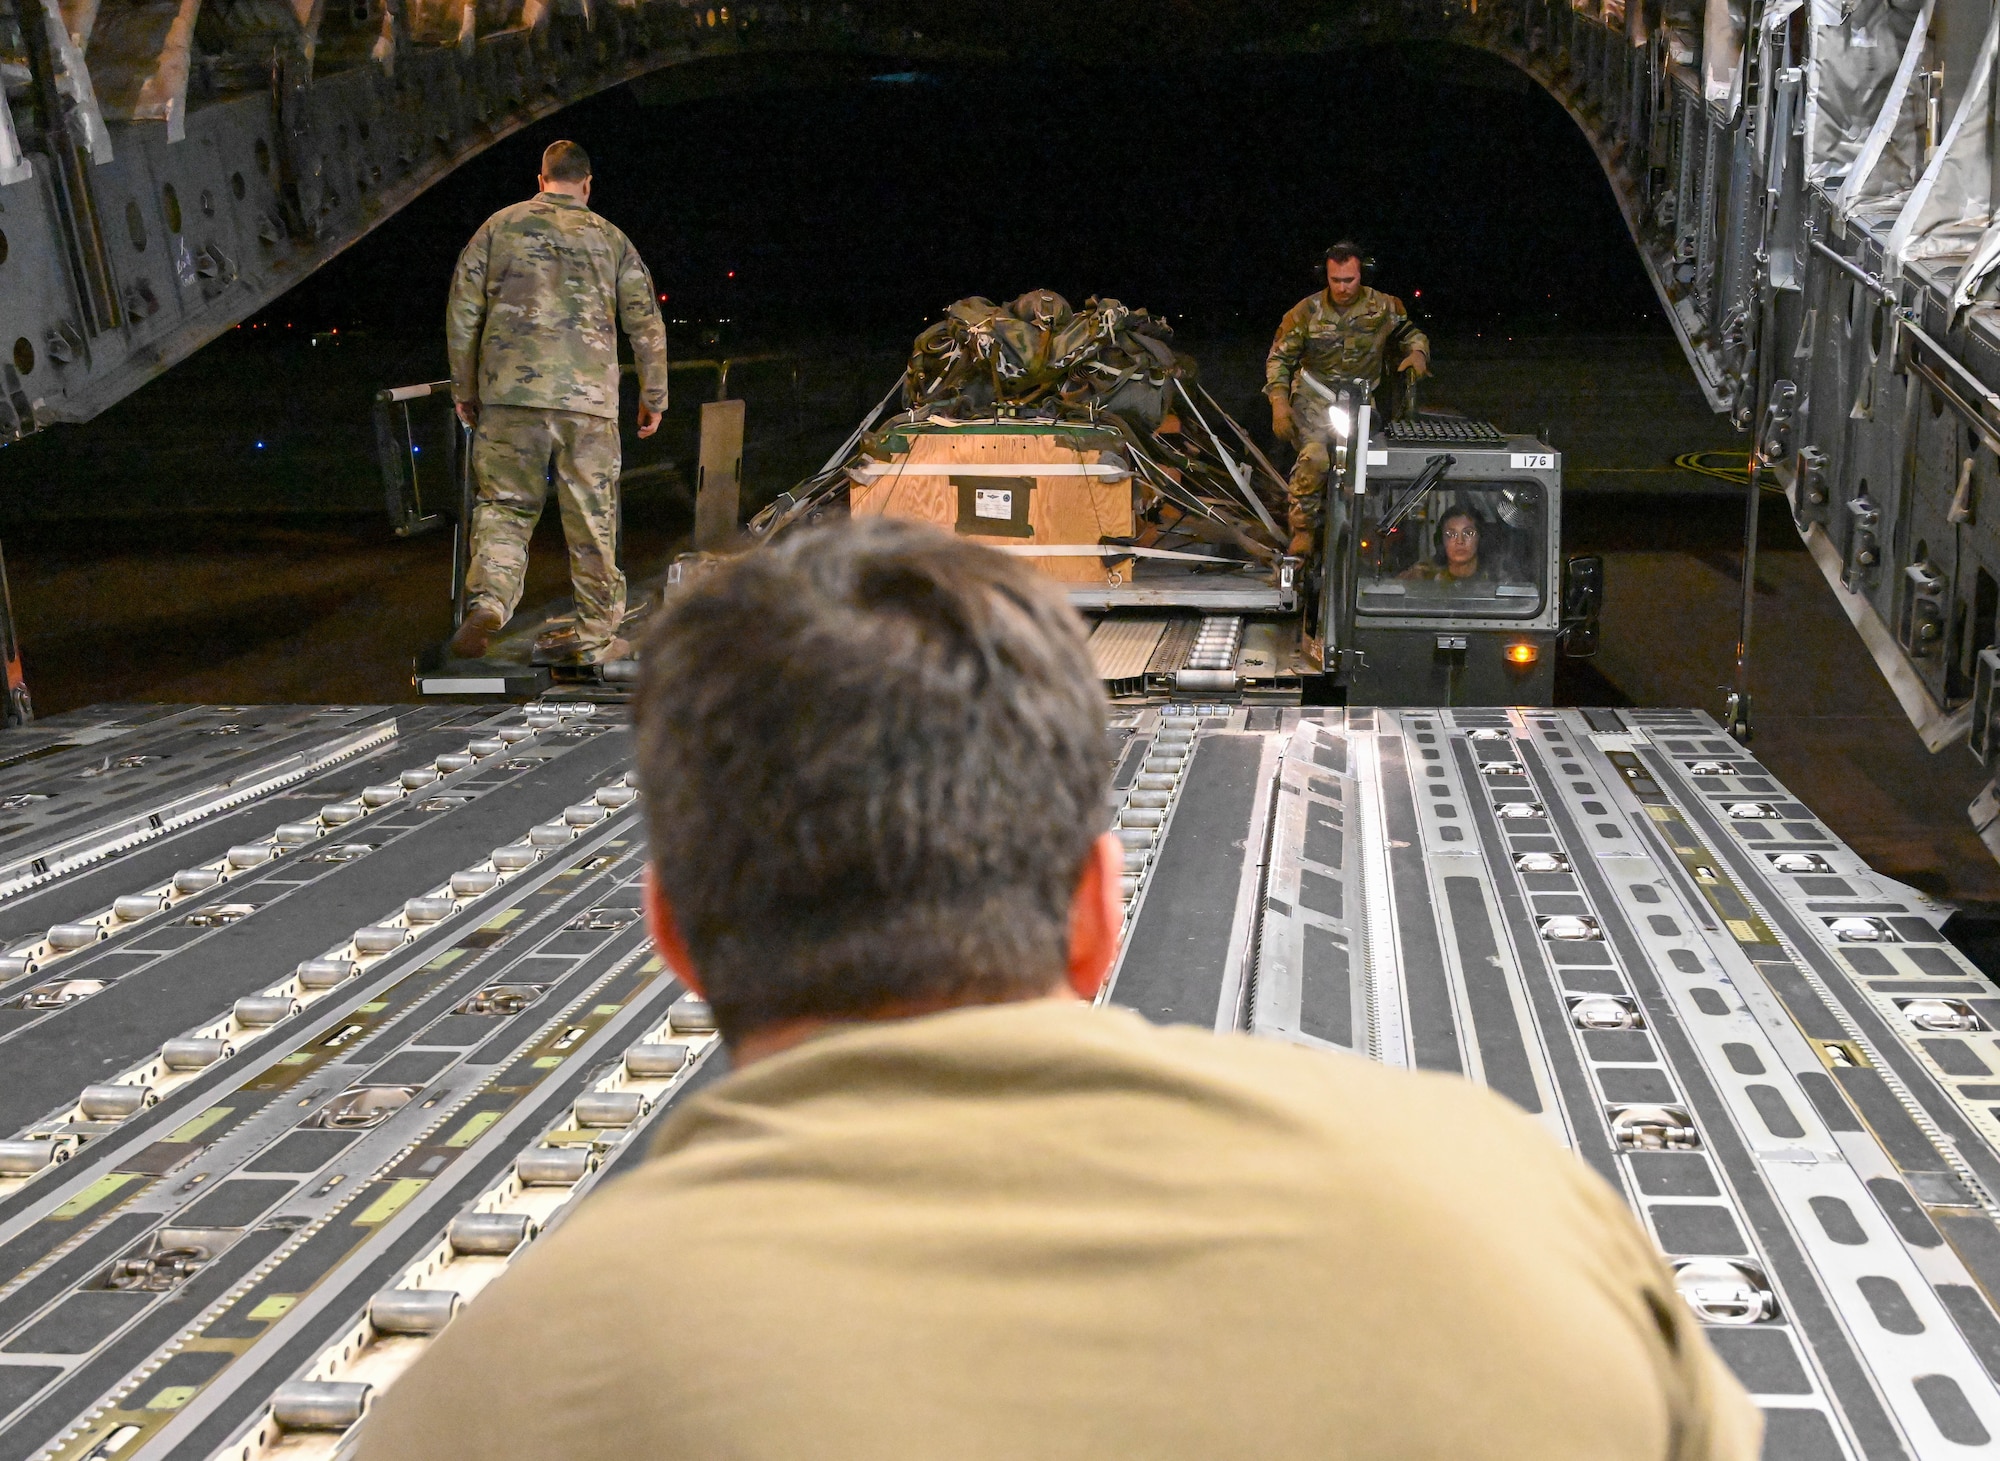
x,y
1458,550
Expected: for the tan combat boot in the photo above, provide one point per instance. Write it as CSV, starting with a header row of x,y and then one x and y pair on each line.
x,y
476,633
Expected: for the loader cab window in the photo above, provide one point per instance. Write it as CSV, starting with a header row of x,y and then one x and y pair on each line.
x,y
1467,549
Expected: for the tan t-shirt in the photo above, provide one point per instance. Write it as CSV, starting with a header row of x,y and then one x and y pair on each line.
x,y
1046,1231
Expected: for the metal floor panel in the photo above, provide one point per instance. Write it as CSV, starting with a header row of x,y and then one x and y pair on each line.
x,y
1122,648
1768,1051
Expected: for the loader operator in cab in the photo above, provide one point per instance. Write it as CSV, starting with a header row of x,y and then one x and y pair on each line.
x,y
942,1207
1347,330
1457,559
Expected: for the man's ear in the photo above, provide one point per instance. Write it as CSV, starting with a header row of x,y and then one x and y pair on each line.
x,y
1096,917
666,931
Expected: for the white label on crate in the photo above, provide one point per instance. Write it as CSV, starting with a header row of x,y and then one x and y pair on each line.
x,y
996,502
1532,461
1378,459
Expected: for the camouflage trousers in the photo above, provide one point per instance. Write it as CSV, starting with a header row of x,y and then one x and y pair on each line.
x,y
1307,487
515,452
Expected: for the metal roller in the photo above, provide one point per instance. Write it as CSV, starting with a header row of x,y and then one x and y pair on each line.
x,y
1172,735
320,1405
194,1054
1128,888
514,734
325,973
1162,766
67,936
584,814
619,671
114,1102
259,1011
554,1166
655,1060
484,747
690,1015
135,906
473,882
418,776
541,719
610,1108
1213,681
453,761
1154,781
1136,859
196,879
1148,799
25,1158
1137,839
632,779
515,856
339,814
250,854
614,796
380,938
412,1311
549,834
295,834
1141,817
428,909
14,966
576,710
490,1233
381,796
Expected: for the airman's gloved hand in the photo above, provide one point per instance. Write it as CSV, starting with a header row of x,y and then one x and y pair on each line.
x,y
1282,425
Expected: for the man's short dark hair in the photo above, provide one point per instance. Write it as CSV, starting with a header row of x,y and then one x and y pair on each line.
x,y
565,162
1346,249
873,762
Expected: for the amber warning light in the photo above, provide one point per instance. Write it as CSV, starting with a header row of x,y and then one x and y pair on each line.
x,y
1522,654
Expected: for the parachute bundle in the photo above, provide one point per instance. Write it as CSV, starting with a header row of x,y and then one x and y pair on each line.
x,y
1037,356
1108,371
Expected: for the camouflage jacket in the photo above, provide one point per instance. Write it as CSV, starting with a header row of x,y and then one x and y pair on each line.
x,y
535,306
1318,336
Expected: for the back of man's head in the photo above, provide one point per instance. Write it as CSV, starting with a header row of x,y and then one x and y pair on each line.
x,y
565,162
873,763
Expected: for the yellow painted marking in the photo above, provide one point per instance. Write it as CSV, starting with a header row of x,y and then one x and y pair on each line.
x,y
189,1130
548,1062
95,1193
1659,813
607,1009
172,1397
1742,932
297,1057
467,1134
372,1007
445,958
392,1202
652,965
504,917
275,1307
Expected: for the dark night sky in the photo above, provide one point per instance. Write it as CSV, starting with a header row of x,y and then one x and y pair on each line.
x,y
1208,194
853,210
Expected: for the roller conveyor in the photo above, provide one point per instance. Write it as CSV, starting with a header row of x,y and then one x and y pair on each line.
x,y
316,1101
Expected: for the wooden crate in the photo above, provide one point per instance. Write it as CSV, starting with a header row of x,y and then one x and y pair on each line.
x,y
1066,507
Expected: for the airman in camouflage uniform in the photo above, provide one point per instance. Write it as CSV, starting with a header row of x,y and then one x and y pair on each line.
x,y
532,329
1346,330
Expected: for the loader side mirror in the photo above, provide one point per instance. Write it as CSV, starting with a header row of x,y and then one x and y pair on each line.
x,y
1582,604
